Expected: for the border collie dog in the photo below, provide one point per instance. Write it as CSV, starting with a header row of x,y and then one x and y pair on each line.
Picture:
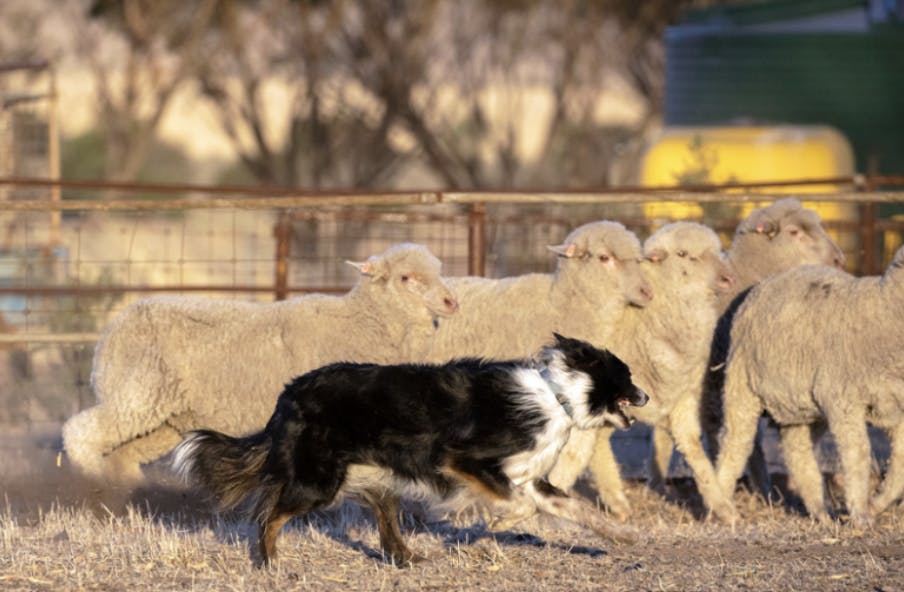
x,y
465,432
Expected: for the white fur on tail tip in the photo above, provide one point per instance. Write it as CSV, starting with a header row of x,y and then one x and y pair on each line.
x,y
184,455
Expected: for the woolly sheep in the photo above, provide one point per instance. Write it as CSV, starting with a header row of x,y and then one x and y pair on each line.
x,y
771,239
776,238
814,344
167,365
597,277
666,345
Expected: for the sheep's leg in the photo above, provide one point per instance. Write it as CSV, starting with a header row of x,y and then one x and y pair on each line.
x,y
684,423
87,436
660,457
127,459
108,441
758,468
742,410
506,513
607,476
385,506
803,469
848,425
893,485
551,500
573,459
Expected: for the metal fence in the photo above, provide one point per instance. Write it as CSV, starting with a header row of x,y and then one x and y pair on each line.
x,y
60,287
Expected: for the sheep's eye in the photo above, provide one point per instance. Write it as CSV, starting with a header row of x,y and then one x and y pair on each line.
x,y
793,231
404,278
604,258
681,253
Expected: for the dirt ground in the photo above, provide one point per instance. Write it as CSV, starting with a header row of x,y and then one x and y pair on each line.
x,y
60,532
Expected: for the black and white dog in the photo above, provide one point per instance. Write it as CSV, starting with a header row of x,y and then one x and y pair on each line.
x,y
469,431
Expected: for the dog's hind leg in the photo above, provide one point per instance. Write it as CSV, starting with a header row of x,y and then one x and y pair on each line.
x,y
385,506
551,500
268,530
270,518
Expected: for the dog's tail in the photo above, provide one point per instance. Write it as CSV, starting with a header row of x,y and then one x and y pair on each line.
x,y
228,468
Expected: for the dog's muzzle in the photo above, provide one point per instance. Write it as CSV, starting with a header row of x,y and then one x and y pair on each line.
x,y
638,399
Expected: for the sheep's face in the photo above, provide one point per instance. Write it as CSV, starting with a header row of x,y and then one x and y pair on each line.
x,y
689,258
788,237
603,260
411,279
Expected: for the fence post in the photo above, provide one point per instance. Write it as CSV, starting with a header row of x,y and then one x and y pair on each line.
x,y
868,247
868,214
283,233
476,239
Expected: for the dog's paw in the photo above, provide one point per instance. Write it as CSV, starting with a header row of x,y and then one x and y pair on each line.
x,y
406,559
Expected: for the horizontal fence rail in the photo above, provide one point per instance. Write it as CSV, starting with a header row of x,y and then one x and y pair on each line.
x,y
80,251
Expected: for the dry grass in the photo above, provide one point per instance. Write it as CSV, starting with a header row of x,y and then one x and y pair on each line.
x,y
56,535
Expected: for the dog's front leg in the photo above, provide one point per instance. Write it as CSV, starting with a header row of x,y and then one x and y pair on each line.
x,y
551,500
506,513
385,506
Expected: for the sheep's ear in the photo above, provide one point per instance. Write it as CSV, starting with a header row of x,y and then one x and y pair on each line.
x,y
567,251
373,267
657,255
898,259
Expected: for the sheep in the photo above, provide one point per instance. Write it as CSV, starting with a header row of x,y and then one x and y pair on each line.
x,y
771,239
666,345
775,238
167,365
814,344
596,278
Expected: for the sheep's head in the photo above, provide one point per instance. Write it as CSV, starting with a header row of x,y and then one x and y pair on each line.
x,y
781,236
409,276
898,259
689,258
895,271
603,260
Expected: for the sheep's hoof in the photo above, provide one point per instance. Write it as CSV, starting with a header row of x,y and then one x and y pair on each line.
x,y
860,521
726,513
619,507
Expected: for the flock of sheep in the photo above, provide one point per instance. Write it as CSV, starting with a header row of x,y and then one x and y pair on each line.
x,y
773,320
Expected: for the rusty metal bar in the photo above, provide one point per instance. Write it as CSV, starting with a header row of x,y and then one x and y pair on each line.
x,y
283,233
22,338
869,264
476,239
278,190
54,291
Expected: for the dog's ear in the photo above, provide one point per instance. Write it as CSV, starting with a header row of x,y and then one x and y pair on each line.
x,y
566,343
375,267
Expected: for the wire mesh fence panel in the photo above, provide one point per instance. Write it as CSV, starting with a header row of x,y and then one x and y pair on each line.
x,y
61,285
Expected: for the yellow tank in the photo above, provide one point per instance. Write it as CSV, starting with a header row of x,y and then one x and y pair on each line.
x,y
745,154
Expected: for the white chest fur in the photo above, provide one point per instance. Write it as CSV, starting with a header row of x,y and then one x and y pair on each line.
x,y
538,461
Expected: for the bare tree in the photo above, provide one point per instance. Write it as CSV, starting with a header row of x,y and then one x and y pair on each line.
x,y
374,86
140,52
328,132
458,75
